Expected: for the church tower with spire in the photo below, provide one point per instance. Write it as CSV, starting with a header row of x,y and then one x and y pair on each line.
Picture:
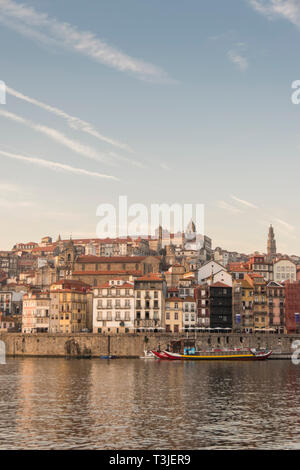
x,y
271,244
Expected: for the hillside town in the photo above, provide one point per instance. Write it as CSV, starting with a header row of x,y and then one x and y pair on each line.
x,y
172,283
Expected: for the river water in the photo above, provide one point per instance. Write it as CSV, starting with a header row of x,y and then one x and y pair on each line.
x,y
148,404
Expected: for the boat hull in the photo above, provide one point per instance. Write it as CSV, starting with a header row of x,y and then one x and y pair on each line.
x,y
247,356
162,355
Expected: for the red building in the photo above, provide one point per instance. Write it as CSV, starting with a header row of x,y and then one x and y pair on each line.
x,y
292,306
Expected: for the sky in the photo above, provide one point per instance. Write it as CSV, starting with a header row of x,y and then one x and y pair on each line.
x,y
162,102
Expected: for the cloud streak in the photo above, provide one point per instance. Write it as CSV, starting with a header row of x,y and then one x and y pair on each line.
x,y
42,28
74,122
57,136
286,225
228,207
245,203
55,165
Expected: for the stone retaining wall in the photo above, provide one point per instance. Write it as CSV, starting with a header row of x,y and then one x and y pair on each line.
x,y
131,345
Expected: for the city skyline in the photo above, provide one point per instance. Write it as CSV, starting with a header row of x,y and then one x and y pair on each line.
x,y
164,103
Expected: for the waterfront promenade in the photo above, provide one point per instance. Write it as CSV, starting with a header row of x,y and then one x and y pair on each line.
x,y
134,345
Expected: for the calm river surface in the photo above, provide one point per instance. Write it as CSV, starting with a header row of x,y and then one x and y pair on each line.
x,y
148,404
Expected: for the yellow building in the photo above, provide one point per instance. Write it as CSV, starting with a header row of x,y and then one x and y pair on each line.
x,y
247,320
174,315
260,309
250,310
69,310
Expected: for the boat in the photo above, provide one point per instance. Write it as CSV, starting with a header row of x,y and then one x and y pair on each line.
x,y
108,357
221,354
148,355
185,349
160,355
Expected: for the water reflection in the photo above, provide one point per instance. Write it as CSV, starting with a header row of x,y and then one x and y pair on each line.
x,y
136,404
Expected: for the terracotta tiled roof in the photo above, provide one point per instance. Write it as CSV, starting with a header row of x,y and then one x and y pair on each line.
x,y
219,284
110,259
174,299
47,249
189,299
126,285
100,273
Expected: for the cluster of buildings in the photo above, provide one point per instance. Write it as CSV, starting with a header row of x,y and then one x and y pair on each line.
x,y
172,283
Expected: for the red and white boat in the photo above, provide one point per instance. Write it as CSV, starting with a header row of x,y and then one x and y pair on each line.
x,y
217,354
161,355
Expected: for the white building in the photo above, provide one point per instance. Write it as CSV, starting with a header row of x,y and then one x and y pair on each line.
x,y
113,307
186,288
212,272
189,314
284,270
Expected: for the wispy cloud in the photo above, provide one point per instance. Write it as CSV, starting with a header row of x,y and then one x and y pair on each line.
x,y
286,225
58,136
242,201
73,122
228,207
238,59
55,165
288,9
38,26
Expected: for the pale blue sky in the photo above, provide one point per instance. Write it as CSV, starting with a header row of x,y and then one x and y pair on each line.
x,y
199,90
